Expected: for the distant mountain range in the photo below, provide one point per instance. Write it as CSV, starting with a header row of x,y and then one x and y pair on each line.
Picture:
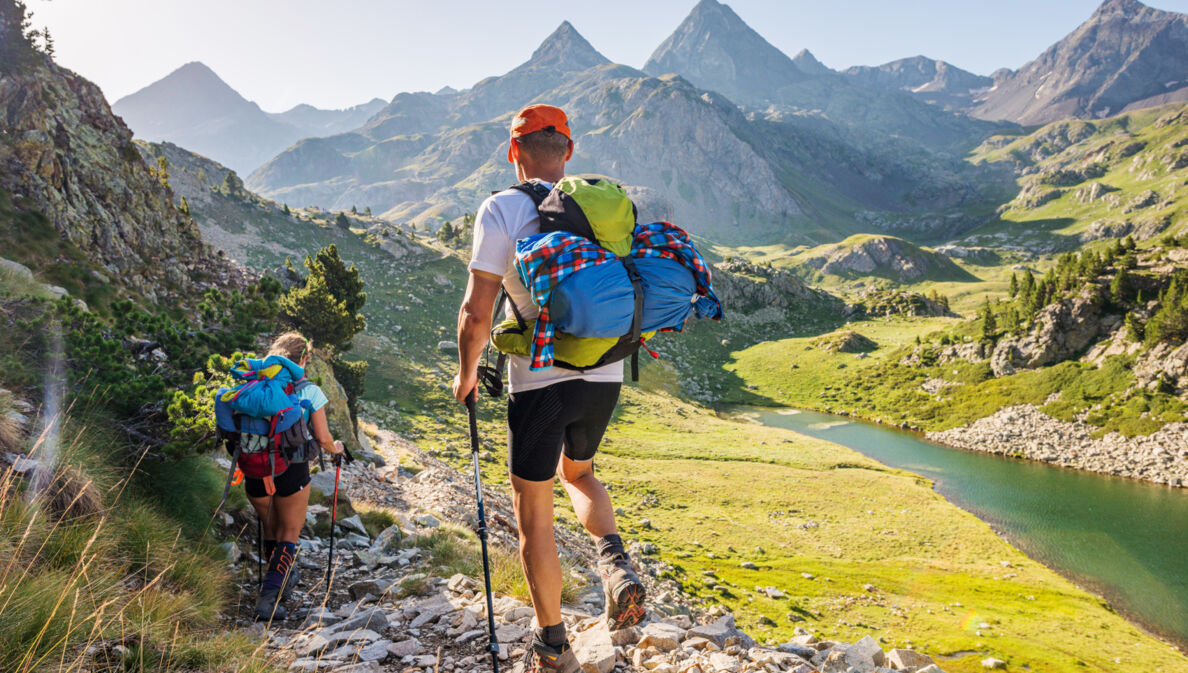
x,y
693,154
1126,56
194,108
721,130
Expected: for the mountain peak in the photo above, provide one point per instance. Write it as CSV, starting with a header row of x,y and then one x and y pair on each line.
x,y
809,65
1120,7
566,49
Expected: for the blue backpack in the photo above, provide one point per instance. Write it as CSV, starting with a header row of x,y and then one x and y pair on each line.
x,y
262,420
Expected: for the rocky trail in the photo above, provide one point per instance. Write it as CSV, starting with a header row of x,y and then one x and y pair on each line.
x,y
393,607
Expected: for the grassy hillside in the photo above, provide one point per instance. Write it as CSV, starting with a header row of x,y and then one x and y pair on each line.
x,y
868,256
1085,180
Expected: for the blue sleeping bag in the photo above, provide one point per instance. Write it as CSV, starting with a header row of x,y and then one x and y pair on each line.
x,y
607,302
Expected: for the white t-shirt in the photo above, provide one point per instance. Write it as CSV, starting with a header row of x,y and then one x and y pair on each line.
x,y
502,220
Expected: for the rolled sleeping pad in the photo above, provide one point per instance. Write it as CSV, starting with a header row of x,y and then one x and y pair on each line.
x,y
598,301
669,290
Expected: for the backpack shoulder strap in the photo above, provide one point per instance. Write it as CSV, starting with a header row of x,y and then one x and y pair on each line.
x,y
535,191
301,385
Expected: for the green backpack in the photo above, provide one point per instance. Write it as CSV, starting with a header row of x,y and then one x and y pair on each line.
x,y
599,210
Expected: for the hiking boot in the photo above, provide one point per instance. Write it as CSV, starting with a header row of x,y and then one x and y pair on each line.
x,y
542,658
291,583
268,607
623,592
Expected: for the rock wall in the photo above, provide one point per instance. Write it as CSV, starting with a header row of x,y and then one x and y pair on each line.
x,y
63,153
337,413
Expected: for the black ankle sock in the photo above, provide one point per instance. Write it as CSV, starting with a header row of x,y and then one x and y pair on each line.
x,y
610,546
553,636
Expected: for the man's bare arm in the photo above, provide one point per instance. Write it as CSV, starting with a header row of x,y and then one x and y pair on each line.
x,y
474,328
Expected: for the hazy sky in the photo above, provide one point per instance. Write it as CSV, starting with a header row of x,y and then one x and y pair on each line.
x,y
343,52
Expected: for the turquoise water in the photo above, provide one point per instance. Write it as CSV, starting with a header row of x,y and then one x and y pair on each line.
x,y
1125,540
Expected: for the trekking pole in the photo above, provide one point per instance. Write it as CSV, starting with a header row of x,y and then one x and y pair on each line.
x,y
493,646
333,517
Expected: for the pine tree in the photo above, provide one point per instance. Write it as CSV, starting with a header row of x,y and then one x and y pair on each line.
x,y
1129,243
184,206
286,210
1014,291
989,323
47,43
1121,289
446,233
18,47
326,308
354,210
342,222
367,211
232,184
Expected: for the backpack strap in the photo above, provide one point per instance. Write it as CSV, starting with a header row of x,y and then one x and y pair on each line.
x,y
535,191
301,385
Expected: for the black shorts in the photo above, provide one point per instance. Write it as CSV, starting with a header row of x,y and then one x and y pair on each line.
x,y
287,483
569,416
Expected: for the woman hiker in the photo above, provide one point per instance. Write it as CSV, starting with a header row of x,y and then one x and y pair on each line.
x,y
283,514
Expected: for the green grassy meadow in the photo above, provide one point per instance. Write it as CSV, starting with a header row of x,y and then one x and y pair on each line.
x,y
717,493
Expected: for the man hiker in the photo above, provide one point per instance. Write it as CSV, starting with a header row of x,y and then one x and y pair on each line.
x,y
556,417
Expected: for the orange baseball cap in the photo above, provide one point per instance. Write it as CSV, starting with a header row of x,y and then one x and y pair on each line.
x,y
538,118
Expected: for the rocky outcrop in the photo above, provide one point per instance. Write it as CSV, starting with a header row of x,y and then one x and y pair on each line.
x,y
1164,366
337,412
882,303
63,153
845,341
1027,432
884,256
747,287
1060,331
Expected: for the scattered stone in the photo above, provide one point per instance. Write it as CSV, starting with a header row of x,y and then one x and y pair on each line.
x,y
724,663
353,523
375,587
231,552
447,346
404,648
320,616
662,636
907,660
865,655
992,663
427,520
749,565
594,649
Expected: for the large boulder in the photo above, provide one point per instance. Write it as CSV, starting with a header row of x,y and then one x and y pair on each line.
x,y
338,415
1061,330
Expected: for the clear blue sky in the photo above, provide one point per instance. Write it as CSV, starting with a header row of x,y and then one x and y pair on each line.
x,y
342,52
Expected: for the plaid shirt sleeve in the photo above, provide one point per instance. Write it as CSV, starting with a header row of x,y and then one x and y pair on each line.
x,y
661,239
543,261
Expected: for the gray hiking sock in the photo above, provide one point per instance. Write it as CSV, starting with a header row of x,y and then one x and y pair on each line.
x,y
553,636
610,546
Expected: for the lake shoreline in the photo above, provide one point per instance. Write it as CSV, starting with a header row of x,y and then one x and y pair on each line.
x,y
992,435
1085,582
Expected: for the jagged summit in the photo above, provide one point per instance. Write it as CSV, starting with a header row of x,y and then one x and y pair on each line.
x,y
1125,56
566,49
715,49
1123,7
807,63
194,79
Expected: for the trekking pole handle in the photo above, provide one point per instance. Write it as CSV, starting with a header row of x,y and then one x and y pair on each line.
x,y
472,412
